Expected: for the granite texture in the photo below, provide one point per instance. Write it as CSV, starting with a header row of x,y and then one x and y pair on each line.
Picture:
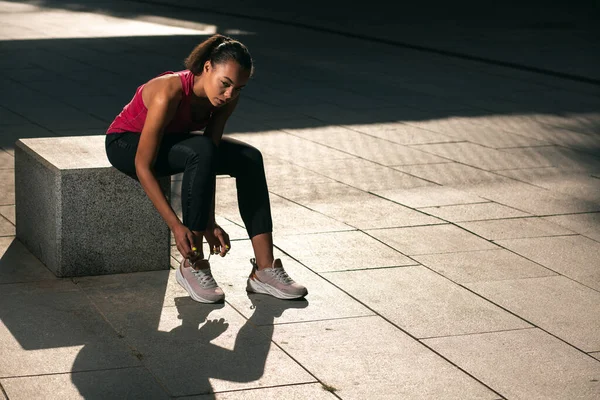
x,y
80,219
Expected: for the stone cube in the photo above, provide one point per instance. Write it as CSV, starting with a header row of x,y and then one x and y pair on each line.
x,y
81,216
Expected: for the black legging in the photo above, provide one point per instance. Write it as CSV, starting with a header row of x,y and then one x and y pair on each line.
x,y
200,160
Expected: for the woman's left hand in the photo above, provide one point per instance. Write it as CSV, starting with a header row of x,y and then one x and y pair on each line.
x,y
218,240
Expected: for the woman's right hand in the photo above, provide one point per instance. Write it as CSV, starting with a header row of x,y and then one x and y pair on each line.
x,y
184,239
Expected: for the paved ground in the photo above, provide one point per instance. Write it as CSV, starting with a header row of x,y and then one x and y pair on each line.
x,y
443,212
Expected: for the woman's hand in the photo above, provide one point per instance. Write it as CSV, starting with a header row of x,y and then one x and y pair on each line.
x,y
184,239
218,240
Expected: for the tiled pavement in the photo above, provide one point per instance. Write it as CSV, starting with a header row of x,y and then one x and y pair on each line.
x,y
444,214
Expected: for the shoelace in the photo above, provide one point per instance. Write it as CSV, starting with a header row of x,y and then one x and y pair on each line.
x,y
282,276
205,278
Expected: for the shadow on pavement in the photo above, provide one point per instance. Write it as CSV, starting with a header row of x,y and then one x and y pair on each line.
x,y
111,322
185,359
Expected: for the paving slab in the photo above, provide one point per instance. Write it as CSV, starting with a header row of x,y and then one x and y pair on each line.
x,y
315,194
340,251
489,136
155,289
581,185
556,304
51,115
391,365
280,172
6,227
7,160
341,165
373,213
284,146
172,333
17,264
515,228
11,134
531,199
479,156
47,324
546,177
423,303
288,217
88,385
374,178
8,118
557,156
429,196
354,207
473,212
324,300
401,133
261,112
7,187
367,147
573,256
453,174
524,364
585,224
535,125
485,265
432,239
596,355
8,212
296,392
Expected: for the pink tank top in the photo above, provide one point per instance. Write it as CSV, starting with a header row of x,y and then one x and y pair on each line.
x,y
133,115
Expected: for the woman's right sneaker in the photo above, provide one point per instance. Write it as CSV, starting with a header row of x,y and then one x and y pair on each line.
x,y
274,281
199,283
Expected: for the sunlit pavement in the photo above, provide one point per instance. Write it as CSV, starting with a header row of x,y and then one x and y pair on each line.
x,y
443,212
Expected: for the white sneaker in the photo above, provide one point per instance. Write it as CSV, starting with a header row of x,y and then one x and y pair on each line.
x,y
274,281
199,283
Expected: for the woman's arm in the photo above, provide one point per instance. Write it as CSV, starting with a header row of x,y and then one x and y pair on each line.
x,y
216,125
161,97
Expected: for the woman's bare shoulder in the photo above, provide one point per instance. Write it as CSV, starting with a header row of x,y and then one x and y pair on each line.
x,y
165,87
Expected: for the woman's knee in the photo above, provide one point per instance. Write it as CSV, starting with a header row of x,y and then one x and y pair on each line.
x,y
200,151
253,157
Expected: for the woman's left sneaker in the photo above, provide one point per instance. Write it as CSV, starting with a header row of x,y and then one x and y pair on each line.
x,y
274,281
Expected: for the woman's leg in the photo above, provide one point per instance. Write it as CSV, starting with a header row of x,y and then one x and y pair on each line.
x,y
194,155
245,163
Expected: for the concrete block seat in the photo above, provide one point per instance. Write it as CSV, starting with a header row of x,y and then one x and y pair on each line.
x,y
79,215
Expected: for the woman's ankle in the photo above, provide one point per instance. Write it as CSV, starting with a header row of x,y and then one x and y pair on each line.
x,y
263,264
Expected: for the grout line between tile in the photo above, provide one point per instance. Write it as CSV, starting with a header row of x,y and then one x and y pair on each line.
x,y
370,269
478,333
251,389
320,320
70,372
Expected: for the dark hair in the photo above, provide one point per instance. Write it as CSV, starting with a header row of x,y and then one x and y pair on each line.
x,y
218,49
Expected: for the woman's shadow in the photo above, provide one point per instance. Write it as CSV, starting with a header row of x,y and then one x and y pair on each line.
x,y
186,358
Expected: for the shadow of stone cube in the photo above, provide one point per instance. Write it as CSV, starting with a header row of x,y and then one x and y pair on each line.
x,y
79,215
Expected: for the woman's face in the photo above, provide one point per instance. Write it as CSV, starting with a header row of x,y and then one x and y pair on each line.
x,y
223,82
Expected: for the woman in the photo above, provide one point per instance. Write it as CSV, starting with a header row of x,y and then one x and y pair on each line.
x,y
151,138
